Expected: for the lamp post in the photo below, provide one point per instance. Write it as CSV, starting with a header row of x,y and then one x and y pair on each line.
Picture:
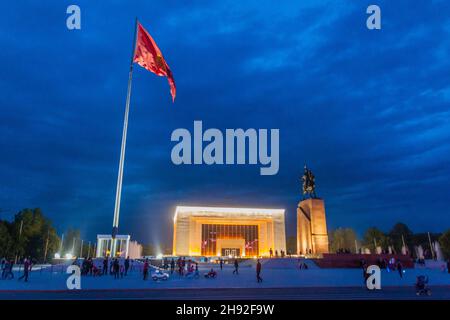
x,y
89,250
20,234
46,245
61,245
375,243
431,246
73,247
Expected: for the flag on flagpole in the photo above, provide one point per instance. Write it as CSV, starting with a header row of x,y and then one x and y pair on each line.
x,y
148,56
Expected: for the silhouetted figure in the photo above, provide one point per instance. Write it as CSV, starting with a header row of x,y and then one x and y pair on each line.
x,y
145,270
258,271
26,269
127,264
105,265
172,266
236,267
116,268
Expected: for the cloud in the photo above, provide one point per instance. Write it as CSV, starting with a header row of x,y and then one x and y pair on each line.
x,y
367,110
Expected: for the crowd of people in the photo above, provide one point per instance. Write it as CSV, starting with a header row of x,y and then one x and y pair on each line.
x,y
189,268
8,265
117,267
282,254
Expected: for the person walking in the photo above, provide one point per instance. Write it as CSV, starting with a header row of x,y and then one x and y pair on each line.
x,y
116,268
258,272
91,266
196,274
145,271
400,269
26,269
7,271
364,270
270,253
122,270
127,265
172,266
105,265
221,264
236,267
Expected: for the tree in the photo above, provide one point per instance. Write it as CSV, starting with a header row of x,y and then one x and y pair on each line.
x,y
343,238
444,242
6,241
32,234
395,235
373,235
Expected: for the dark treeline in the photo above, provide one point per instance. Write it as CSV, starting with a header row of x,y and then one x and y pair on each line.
x,y
346,240
31,234
343,239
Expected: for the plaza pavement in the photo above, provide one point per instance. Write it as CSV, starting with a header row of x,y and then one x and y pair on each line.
x,y
281,277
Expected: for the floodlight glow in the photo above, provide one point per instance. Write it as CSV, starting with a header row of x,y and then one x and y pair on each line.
x,y
189,222
227,210
68,256
57,256
159,256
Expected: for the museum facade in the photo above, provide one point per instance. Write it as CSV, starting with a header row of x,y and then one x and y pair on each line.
x,y
218,231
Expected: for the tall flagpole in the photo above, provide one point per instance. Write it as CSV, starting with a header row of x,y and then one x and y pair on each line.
x,y
115,228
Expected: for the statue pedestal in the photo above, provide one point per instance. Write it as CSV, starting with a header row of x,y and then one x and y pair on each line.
x,y
312,235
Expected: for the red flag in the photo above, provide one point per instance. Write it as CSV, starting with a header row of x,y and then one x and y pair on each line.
x,y
148,56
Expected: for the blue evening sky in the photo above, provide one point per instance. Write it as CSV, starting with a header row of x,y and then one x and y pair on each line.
x,y
368,111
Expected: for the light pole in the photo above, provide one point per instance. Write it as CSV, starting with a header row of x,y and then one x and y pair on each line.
x,y
73,247
431,246
61,245
18,242
46,245
89,250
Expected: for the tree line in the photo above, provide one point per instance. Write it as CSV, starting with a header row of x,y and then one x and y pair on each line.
x,y
31,234
346,240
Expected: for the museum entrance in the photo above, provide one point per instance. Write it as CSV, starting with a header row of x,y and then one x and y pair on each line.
x,y
239,240
233,252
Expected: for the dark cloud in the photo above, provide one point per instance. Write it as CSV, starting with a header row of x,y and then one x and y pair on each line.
x,y
367,110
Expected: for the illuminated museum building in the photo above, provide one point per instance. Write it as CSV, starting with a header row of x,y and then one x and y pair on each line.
x,y
214,231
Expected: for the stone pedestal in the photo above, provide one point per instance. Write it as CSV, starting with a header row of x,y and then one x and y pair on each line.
x,y
312,235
